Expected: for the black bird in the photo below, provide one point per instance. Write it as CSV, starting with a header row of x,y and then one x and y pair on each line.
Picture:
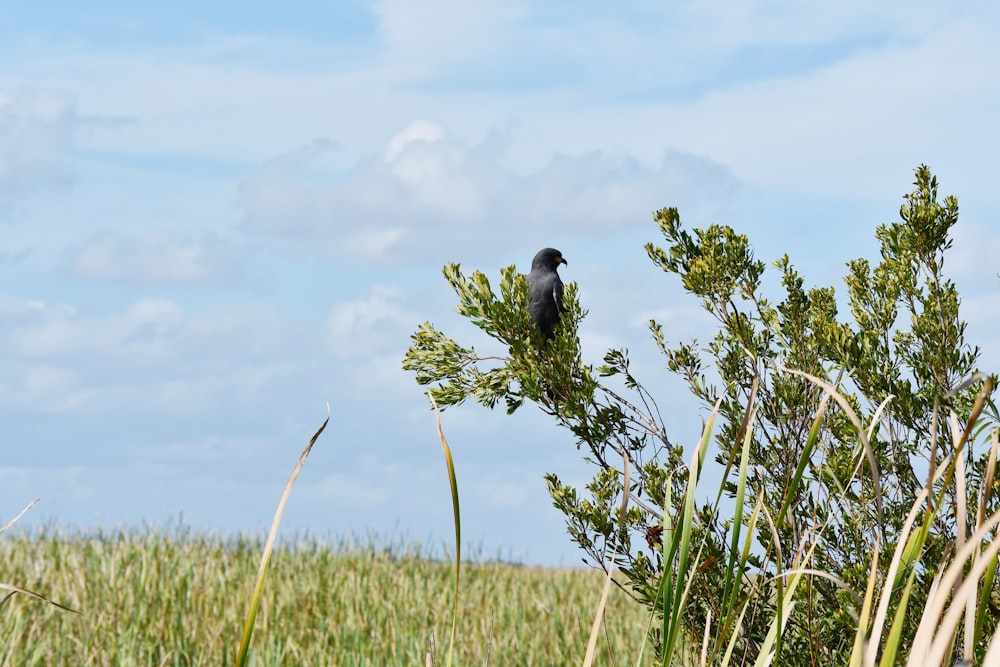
x,y
545,290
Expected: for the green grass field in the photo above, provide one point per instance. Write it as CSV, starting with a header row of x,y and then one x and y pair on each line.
x,y
155,599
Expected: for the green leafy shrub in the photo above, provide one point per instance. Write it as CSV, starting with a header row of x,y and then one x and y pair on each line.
x,y
829,428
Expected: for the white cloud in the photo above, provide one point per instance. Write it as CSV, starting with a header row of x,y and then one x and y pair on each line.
x,y
424,131
42,388
36,133
374,323
141,331
369,337
432,194
429,34
855,125
732,29
47,380
152,353
630,80
165,257
39,129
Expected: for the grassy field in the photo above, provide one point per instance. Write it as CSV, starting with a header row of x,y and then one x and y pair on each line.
x,y
155,599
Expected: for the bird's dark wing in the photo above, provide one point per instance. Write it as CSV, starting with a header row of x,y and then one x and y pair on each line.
x,y
544,300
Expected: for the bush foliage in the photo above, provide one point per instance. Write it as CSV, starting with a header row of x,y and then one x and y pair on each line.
x,y
849,444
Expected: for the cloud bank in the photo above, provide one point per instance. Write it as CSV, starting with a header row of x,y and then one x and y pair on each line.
x,y
427,196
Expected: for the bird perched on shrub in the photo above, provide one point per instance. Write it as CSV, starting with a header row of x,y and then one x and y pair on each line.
x,y
545,290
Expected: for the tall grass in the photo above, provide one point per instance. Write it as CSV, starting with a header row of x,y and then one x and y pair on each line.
x,y
160,599
14,589
149,598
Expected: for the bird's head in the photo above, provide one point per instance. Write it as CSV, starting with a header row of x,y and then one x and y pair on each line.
x,y
548,258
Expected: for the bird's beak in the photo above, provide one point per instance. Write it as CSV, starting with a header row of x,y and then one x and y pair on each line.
x,y
561,259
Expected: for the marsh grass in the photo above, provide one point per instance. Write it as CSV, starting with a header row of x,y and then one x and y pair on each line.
x,y
10,590
149,598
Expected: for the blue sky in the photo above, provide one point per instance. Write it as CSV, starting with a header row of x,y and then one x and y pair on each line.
x,y
215,218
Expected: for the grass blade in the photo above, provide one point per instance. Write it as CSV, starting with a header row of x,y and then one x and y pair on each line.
x,y
733,575
18,517
865,442
680,547
862,639
453,481
595,628
24,591
258,587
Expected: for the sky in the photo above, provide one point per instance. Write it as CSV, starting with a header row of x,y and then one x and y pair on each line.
x,y
217,218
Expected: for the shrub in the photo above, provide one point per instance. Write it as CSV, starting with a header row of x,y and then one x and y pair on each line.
x,y
829,428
